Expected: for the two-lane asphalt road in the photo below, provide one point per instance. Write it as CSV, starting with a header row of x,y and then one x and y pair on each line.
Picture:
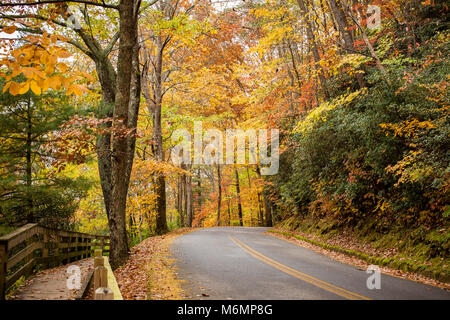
x,y
245,263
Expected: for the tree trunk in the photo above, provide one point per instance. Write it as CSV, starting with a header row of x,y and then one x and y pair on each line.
x,y
368,44
28,169
267,207
260,211
199,191
229,212
180,196
189,211
120,159
238,192
161,221
219,198
314,48
342,23
107,78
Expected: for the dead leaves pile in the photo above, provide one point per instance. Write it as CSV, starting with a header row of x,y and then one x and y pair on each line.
x,y
149,272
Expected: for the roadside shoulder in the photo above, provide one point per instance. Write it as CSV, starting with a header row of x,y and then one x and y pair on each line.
x,y
360,260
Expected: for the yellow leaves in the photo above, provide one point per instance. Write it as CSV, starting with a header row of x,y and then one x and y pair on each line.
x,y
35,87
408,128
352,60
54,82
62,53
24,87
14,88
38,60
6,87
44,59
62,66
75,89
9,29
320,113
411,168
42,85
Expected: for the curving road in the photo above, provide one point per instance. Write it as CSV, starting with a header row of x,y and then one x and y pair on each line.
x,y
245,263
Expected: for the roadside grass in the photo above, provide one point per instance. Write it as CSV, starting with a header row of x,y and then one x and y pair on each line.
x,y
418,254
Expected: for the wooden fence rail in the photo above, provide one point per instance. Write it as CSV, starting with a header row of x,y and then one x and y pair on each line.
x,y
34,245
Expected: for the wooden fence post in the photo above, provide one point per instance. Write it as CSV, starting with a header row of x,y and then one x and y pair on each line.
x,y
57,251
104,294
3,268
100,272
102,243
45,247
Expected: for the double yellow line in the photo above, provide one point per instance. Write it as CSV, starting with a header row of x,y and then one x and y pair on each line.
x,y
300,275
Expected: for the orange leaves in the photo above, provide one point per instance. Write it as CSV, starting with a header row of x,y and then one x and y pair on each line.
x,y
75,89
13,88
39,62
9,29
147,273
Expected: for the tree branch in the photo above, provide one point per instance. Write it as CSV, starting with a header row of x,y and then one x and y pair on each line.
x,y
39,2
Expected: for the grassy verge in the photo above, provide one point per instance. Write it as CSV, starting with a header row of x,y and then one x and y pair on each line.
x,y
411,251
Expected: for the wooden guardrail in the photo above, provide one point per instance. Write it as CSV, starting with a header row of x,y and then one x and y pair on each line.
x,y
34,245
105,284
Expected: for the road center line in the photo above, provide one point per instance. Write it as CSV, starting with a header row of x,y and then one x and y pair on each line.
x,y
300,275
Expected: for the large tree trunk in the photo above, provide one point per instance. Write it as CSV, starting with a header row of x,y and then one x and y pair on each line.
x,y
120,148
107,79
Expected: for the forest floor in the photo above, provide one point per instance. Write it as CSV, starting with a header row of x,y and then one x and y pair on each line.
x,y
149,274
348,248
